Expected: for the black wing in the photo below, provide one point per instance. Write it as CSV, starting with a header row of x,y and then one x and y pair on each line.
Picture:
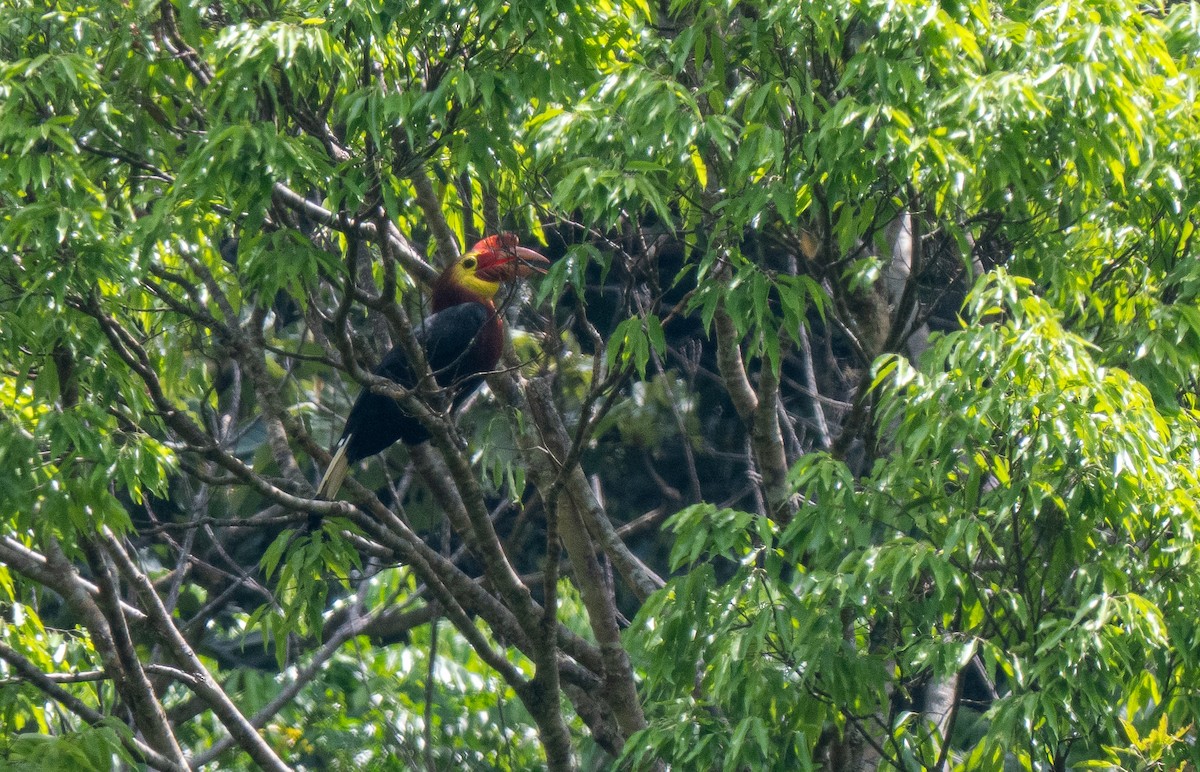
x,y
449,339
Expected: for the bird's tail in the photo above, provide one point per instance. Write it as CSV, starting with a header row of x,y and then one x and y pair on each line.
x,y
335,474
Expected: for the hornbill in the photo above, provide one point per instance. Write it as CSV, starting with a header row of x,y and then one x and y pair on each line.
x,y
462,340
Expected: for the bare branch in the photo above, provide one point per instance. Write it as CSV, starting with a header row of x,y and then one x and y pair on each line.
x,y
431,207
351,627
48,683
574,518
124,665
203,683
732,367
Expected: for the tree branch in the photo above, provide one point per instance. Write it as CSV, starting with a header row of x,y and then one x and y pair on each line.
x,y
129,676
732,367
203,683
542,453
304,676
431,207
48,684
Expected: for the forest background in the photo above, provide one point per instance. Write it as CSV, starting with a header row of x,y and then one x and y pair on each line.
x,y
853,427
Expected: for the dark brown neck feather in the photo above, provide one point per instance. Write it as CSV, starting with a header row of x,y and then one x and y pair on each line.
x,y
490,342
447,292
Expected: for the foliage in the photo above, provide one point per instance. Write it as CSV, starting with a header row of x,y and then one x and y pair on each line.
x,y
888,310
1022,523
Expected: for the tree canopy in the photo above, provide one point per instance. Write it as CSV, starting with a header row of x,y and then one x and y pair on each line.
x,y
854,426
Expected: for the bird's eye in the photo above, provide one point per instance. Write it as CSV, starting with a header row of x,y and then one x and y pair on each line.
x,y
468,263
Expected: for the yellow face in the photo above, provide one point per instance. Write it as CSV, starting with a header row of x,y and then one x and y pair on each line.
x,y
490,263
466,274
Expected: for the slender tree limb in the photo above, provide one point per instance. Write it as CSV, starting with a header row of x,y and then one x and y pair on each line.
x,y
552,444
48,684
129,676
496,563
814,394
431,207
732,367
203,684
943,698
38,568
408,255
174,43
546,687
620,691
767,438
304,676
758,410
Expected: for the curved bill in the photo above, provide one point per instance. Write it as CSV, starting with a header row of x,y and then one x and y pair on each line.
x,y
527,262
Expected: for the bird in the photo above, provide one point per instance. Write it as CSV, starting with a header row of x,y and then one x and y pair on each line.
x,y
462,340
